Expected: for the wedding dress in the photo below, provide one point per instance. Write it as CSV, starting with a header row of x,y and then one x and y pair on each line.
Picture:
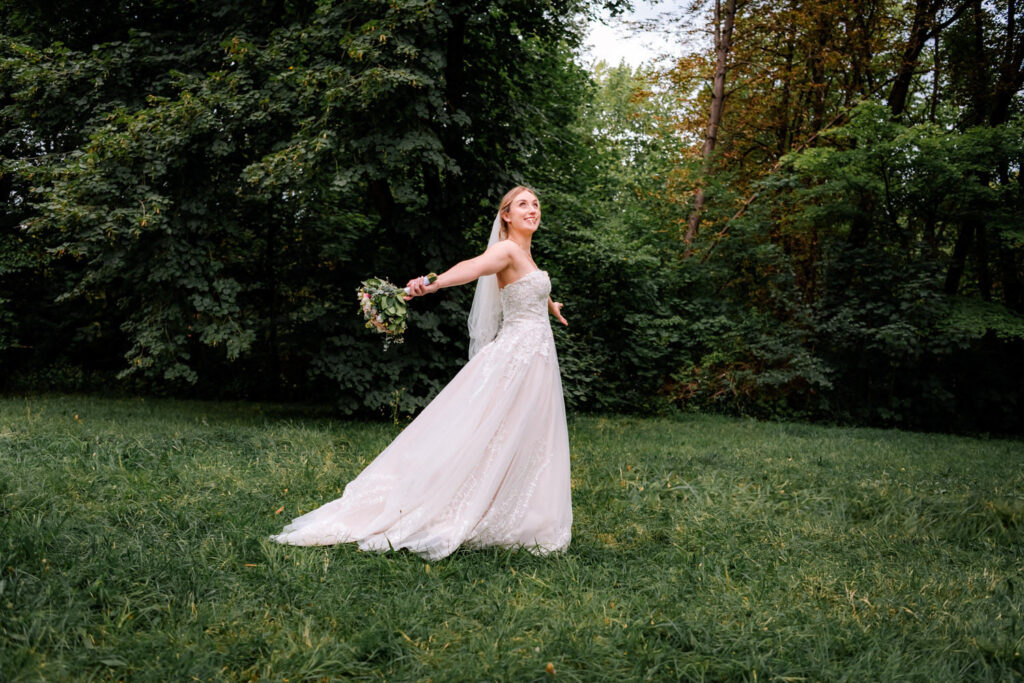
x,y
485,464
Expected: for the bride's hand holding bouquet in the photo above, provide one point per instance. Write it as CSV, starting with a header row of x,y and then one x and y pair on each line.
x,y
507,256
384,308
419,286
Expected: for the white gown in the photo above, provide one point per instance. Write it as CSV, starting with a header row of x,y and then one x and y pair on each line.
x,y
485,464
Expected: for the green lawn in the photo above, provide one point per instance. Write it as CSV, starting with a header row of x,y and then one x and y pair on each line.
x,y
133,546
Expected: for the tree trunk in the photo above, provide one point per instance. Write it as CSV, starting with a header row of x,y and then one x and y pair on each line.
x,y
977,112
924,19
819,83
922,29
379,194
865,78
981,253
964,238
935,82
724,20
784,138
1011,273
928,232
1011,73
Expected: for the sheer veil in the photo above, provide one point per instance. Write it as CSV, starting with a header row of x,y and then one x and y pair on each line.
x,y
485,314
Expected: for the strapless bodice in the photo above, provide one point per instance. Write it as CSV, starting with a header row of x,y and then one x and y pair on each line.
x,y
526,299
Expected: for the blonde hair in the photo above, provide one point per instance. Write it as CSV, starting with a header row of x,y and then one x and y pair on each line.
x,y
506,204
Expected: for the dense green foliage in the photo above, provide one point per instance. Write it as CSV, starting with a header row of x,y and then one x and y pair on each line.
x,y
193,193
704,548
219,182
861,253
862,328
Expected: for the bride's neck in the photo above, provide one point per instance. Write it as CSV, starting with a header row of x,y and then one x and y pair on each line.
x,y
524,241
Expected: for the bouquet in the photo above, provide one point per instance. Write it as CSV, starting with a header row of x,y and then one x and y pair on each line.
x,y
384,307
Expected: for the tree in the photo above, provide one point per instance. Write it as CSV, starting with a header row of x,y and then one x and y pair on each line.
x,y
226,175
925,26
724,20
822,287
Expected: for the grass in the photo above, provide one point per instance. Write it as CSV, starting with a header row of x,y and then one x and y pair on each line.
x,y
133,546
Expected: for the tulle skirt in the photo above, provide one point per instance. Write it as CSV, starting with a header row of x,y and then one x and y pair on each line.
x,y
485,464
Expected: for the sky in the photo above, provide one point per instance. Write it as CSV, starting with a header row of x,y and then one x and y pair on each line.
x,y
614,42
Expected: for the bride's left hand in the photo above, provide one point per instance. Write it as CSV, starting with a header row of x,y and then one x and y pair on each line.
x,y
556,310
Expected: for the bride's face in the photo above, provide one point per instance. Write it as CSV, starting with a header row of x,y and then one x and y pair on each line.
x,y
524,212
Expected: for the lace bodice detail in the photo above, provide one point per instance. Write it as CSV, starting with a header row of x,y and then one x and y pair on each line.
x,y
525,330
526,299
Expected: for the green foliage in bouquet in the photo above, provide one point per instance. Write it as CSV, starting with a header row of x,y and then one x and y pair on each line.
x,y
384,307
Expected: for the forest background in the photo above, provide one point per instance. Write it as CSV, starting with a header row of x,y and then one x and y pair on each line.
x,y
813,211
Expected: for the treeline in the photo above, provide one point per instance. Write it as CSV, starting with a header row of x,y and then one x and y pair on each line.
x,y
864,228
193,191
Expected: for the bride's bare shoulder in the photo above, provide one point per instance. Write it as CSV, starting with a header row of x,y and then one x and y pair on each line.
x,y
515,251
501,246
507,249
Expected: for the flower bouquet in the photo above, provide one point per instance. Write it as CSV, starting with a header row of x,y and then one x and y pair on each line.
x,y
384,307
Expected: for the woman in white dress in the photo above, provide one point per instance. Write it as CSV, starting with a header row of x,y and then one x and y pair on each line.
x,y
487,462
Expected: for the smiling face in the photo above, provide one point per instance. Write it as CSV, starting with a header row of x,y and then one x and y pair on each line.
x,y
521,212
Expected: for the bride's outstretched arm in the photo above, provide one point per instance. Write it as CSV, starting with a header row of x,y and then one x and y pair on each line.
x,y
497,257
555,308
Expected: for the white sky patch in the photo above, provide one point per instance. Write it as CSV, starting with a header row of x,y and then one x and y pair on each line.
x,y
615,41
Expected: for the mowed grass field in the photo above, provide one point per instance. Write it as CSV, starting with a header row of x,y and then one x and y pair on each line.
x,y
133,545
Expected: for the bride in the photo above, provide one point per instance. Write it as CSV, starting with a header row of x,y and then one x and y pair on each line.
x,y
487,462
